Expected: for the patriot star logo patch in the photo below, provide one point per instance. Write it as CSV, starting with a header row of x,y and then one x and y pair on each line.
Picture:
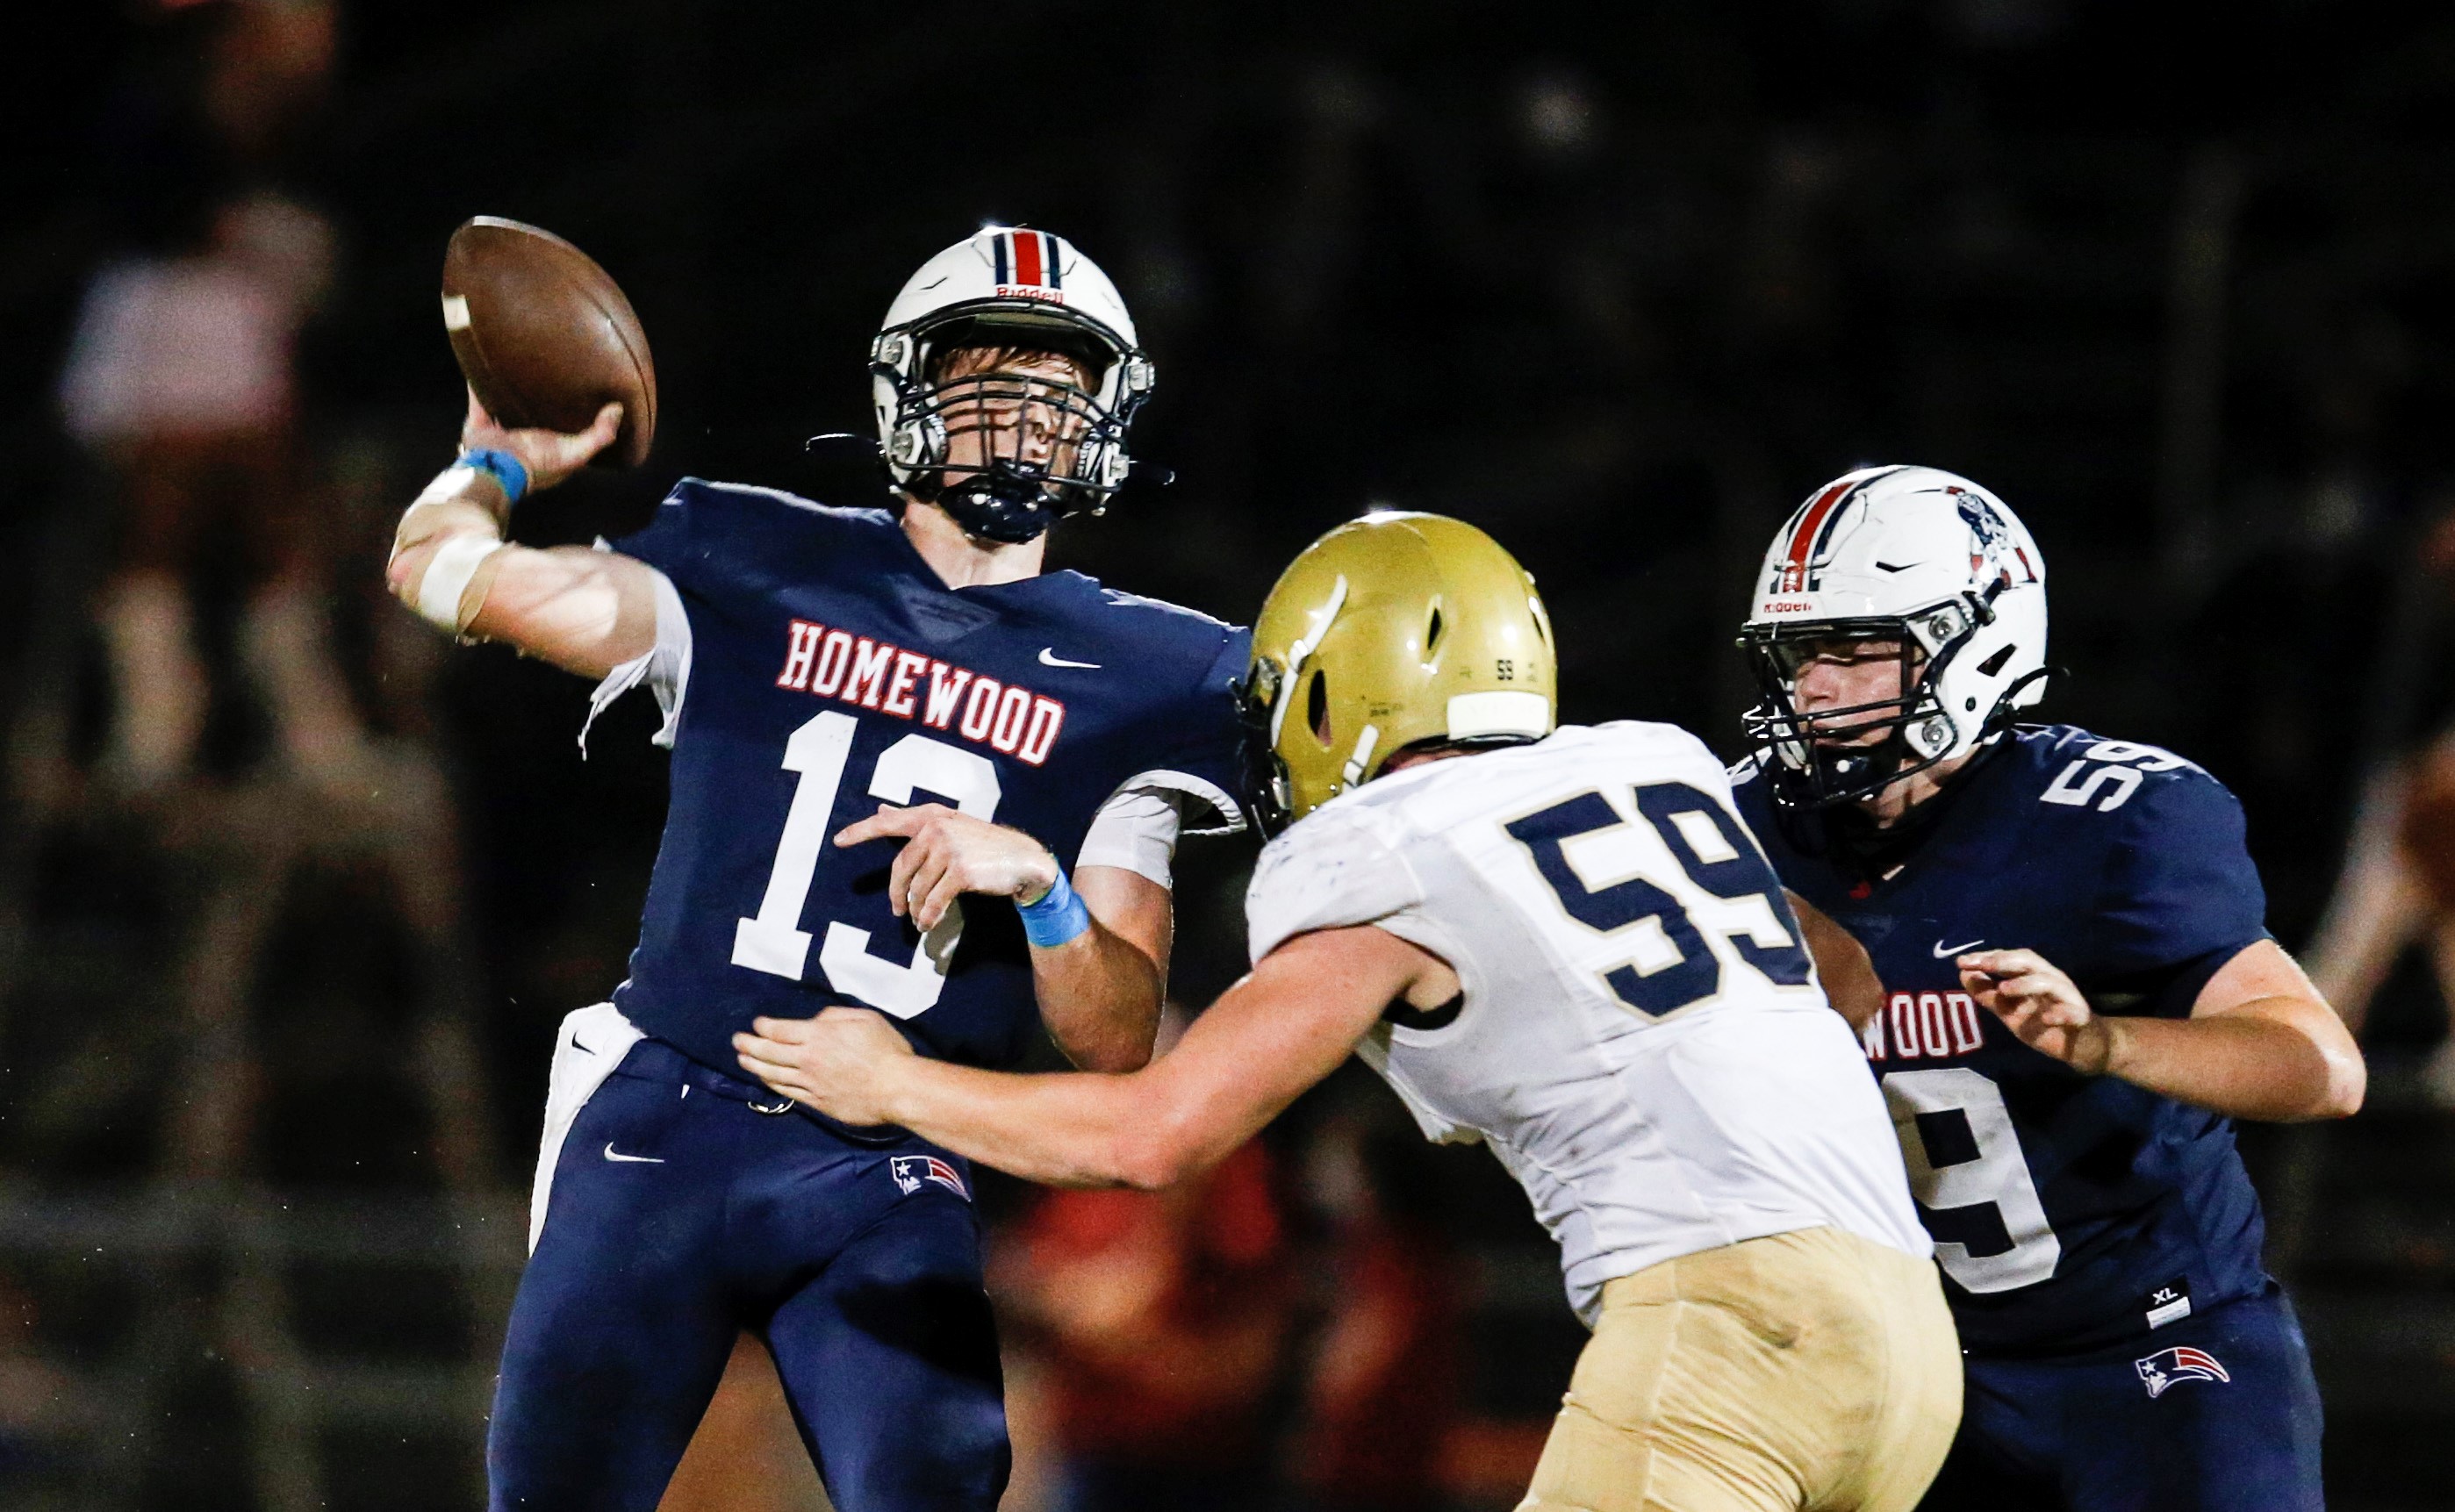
x,y
911,1170
2171,1367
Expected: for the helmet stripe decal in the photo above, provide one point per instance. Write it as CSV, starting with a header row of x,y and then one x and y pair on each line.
x,y
1810,524
1833,521
1027,258
998,245
1056,255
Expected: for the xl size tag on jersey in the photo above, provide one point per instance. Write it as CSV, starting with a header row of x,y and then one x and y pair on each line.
x,y
2169,1302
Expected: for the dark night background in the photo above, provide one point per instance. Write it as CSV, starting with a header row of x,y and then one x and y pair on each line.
x,y
1619,283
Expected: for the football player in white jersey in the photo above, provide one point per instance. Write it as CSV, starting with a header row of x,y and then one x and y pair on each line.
x,y
1566,945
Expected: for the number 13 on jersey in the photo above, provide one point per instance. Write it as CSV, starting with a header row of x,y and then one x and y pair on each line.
x,y
774,940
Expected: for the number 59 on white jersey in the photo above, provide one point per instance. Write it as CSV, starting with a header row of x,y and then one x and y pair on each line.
x,y
1643,1041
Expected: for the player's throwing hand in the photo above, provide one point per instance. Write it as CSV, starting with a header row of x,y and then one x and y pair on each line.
x,y
2040,1004
836,1063
550,456
947,853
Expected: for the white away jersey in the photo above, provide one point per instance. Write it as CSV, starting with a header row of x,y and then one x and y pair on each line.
x,y
1641,1038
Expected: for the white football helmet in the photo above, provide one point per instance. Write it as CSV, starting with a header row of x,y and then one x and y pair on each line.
x,y
1028,288
1896,554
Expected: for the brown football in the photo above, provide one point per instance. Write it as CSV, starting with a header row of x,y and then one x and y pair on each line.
x,y
544,335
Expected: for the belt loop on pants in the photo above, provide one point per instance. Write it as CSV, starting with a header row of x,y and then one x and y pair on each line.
x,y
653,1059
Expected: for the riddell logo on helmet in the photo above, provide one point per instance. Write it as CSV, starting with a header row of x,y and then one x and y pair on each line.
x,y
1054,296
1786,606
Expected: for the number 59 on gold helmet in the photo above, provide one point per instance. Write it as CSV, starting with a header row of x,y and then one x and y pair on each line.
x,y
1394,629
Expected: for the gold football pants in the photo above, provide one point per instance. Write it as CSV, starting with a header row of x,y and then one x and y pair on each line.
x,y
1815,1370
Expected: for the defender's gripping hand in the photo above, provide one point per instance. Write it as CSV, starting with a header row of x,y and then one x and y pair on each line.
x,y
549,455
947,853
842,1062
2040,1005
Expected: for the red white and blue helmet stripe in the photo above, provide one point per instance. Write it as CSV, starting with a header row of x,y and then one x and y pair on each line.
x,y
1028,259
1810,532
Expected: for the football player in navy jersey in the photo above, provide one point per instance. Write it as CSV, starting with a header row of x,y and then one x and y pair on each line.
x,y
892,734
2081,996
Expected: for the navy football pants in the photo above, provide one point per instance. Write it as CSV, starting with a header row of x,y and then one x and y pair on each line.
x,y
680,1216
2232,1425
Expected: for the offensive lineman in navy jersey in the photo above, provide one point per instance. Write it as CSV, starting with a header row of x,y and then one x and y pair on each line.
x,y
2082,994
872,715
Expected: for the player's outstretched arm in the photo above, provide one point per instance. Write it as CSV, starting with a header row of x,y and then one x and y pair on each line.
x,y
1841,965
585,610
2261,1041
1269,1037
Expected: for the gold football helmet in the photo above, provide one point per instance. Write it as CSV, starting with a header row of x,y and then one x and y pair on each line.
x,y
1393,630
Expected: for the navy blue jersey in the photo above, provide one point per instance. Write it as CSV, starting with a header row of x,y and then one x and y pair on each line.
x,y
2068,1210
831,671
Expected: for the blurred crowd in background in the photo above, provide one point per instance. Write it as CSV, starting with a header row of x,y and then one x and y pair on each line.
x,y
291,894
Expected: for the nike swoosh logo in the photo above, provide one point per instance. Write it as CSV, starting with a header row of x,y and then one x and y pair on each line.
x,y
1048,657
1943,952
582,1049
612,1153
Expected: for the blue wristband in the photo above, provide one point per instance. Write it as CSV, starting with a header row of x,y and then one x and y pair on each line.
x,y
1057,918
500,466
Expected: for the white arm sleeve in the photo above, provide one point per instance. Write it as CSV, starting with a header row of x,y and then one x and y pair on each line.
x,y
1136,829
664,667
1139,826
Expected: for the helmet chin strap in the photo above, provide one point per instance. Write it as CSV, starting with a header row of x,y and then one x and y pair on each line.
x,y
1848,766
1006,504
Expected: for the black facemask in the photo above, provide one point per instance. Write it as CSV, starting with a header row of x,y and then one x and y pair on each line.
x,y
1008,498
1830,772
